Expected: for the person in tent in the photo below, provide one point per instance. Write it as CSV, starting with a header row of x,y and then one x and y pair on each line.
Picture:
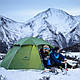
x,y
57,59
44,54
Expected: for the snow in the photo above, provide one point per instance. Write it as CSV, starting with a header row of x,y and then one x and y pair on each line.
x,y
63,22
72,74
73,54
77,18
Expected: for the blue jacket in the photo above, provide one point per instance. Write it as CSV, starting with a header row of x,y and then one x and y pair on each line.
x,y
56,58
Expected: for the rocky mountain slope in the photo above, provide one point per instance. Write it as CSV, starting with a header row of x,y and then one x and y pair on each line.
x,y
53,25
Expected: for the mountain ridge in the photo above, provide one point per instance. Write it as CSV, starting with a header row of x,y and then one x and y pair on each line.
x,y
53,25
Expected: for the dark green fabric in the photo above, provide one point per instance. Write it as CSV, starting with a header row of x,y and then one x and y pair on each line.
x,y
9,57
22,57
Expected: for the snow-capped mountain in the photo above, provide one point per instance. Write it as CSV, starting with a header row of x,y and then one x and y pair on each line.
x,y
53,25
11,31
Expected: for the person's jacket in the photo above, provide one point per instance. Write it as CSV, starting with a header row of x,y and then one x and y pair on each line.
x,y
44,58
56,58
42,54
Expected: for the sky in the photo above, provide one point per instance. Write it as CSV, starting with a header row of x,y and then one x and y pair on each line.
x,y
23,10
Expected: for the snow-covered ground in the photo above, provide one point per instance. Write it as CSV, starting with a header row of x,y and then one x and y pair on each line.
x,y
72,54
75,55
72,74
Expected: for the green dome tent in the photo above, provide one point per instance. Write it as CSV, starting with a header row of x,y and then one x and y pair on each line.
x,y
24,54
